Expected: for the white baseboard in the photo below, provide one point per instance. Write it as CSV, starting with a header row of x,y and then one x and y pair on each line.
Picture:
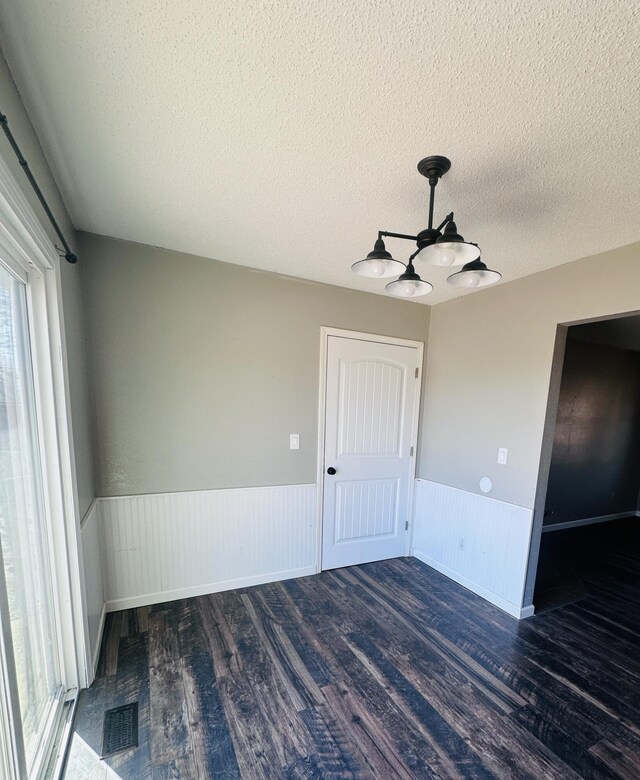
x,y
98,642
203,590
93,591
506,606
588,521
89,513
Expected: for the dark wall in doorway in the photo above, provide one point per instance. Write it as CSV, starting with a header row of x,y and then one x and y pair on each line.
x,y
595,465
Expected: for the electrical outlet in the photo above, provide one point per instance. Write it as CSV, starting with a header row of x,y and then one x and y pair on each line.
x,y
461,544
502,456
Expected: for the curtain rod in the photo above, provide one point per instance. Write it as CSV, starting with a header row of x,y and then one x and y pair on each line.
x,y
69,256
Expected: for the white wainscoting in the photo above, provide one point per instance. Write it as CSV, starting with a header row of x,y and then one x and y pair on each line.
x,y
93,583
475,540
174,545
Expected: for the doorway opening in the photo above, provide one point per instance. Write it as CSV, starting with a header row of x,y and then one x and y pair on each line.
x,y
587,514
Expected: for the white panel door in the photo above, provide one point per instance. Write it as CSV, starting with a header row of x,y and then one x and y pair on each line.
x,y
371,394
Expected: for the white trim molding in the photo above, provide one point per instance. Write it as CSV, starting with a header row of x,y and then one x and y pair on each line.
x,y
202,590
479,542
166,546
93,587
589,521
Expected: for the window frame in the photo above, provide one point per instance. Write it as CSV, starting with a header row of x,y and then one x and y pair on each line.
x,y
28,253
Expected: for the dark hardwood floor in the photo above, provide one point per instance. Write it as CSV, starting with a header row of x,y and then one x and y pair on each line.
x,y
387,670
592,559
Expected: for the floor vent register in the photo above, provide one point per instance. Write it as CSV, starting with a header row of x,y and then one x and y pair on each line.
x,y
120,729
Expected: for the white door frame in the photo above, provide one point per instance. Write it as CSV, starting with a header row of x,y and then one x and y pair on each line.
x,y
325,332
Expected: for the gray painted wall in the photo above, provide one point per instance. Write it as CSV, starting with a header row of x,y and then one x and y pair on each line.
x,y
202,369
11,105
595,464
489,366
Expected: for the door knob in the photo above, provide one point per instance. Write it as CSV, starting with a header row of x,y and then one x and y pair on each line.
x,y
331,470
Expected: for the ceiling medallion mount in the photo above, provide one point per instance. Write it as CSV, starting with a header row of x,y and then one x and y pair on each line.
x,y
435,165
441,245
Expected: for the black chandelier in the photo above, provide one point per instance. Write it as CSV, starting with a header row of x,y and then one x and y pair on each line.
x,y
442,246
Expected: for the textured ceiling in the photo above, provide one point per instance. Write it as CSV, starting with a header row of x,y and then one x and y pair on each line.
x,y
282,135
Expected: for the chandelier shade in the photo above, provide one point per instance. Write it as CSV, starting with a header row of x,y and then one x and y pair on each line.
x,y
378,264
450,249
409,285
474,274
437,246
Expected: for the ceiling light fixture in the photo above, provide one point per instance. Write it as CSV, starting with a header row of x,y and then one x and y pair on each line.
x,y
442,246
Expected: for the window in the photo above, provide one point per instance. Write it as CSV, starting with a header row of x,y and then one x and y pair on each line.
x,y
42,627
24,536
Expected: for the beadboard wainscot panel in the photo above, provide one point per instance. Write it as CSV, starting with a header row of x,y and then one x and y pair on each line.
x,y
93,583
479,542
173,545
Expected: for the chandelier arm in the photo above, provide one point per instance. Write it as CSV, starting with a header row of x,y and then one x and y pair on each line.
x,y
448,218
386,233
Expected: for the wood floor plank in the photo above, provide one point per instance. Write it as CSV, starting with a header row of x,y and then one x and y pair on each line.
x,y
220,638
533,684
132,685
260,696
113,643
621,764
176,769
284,614
142,618
585,763
369,741
189,632
543,654
295,695
418,747
170,738
211,743
451,748
334,756
597,645
459,660
419,755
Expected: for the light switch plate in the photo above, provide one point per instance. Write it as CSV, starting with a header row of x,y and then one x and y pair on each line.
x,y
294,441
502,455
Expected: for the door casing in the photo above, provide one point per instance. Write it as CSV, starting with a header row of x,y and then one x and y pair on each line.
x,y
325,332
